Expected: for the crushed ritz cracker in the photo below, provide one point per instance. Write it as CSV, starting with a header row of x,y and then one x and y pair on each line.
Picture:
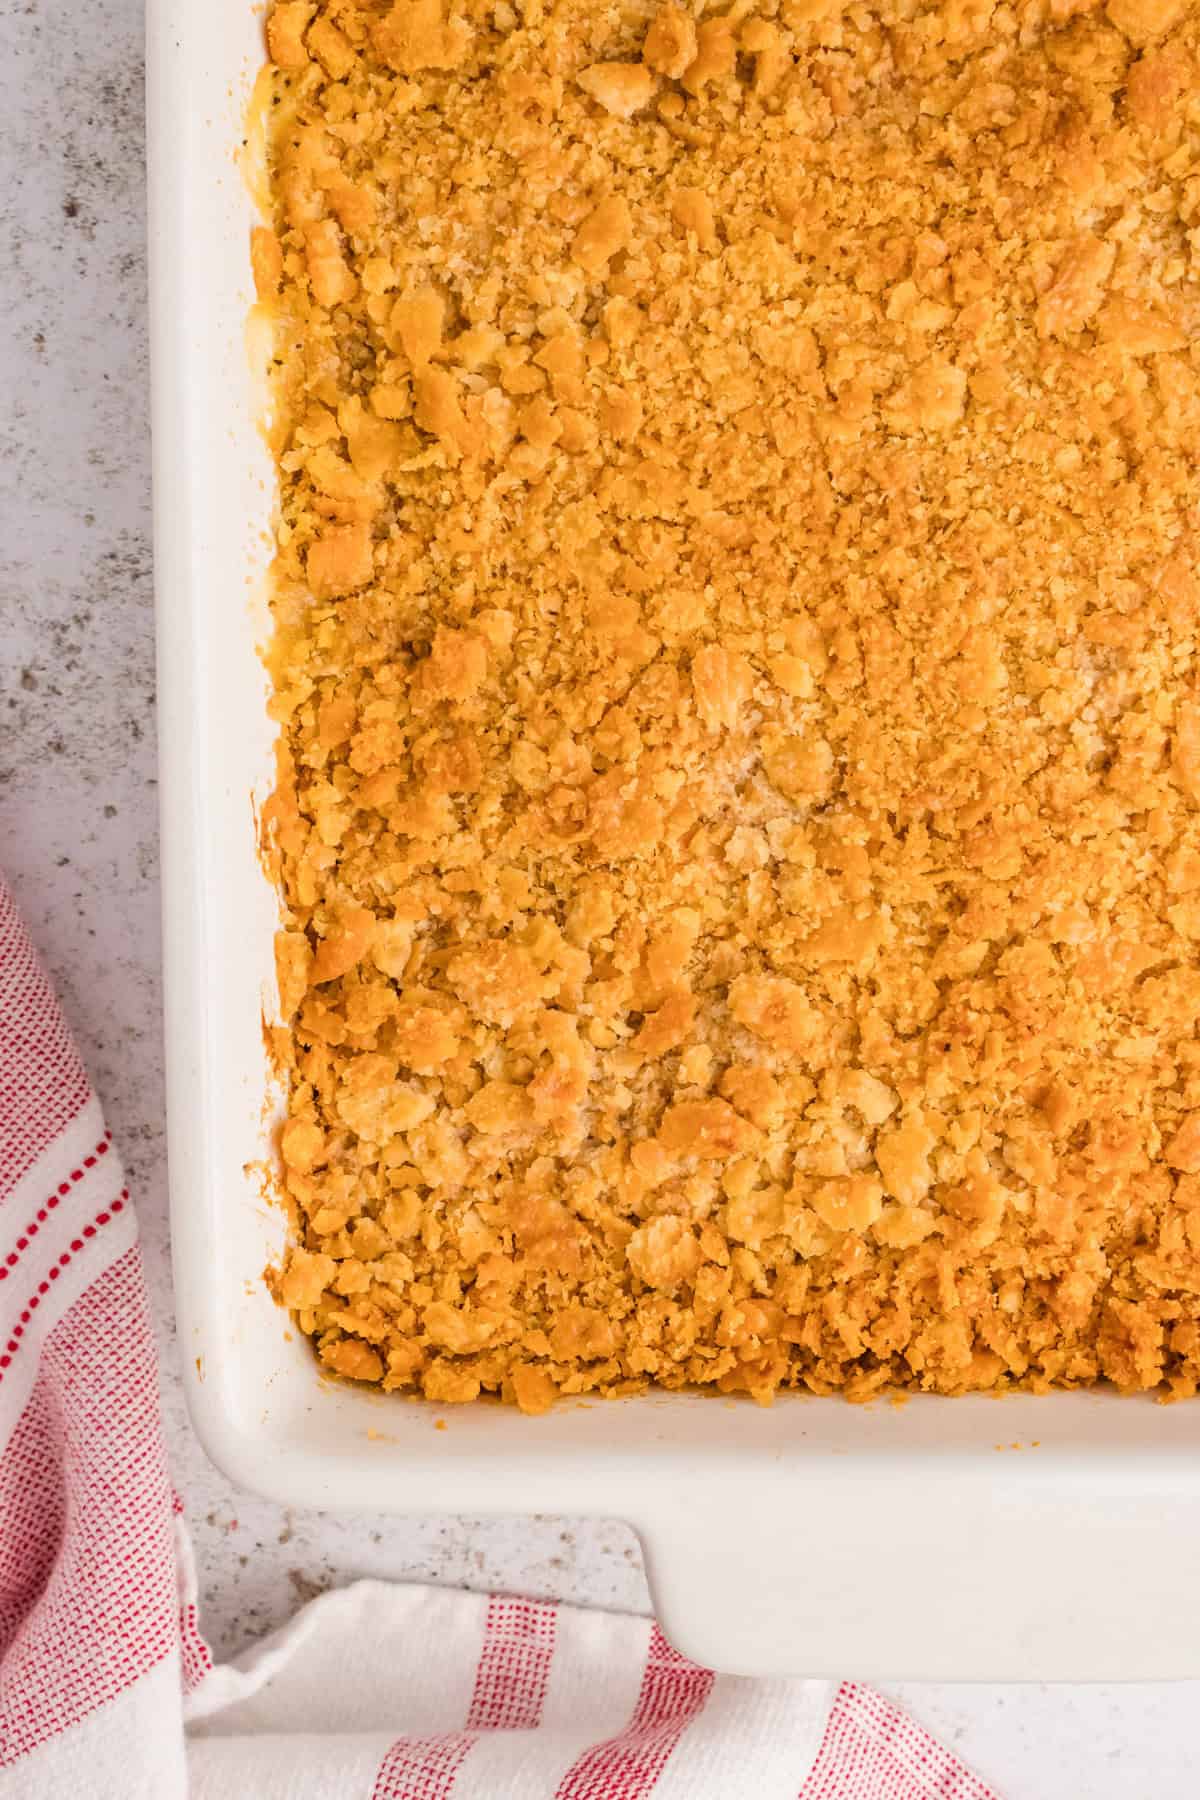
x,y
736,661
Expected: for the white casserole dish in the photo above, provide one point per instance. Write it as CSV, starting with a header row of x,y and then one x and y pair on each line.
x,y
811,1538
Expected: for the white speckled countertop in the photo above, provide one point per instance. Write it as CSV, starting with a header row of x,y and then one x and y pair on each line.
x,y
78,840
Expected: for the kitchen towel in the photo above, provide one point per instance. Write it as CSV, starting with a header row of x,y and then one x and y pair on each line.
x,y
373,1692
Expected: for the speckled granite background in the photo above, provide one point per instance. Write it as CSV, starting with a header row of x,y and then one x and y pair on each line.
x,y
78,839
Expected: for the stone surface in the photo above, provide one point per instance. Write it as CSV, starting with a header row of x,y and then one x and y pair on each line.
x,y
78,840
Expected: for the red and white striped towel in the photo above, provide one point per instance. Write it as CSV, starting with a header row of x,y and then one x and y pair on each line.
x,y
375,1692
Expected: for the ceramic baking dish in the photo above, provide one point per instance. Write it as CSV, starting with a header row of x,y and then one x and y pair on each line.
x,y
973,1538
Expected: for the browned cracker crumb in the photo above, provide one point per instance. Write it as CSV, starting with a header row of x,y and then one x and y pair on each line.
x,y
736,663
